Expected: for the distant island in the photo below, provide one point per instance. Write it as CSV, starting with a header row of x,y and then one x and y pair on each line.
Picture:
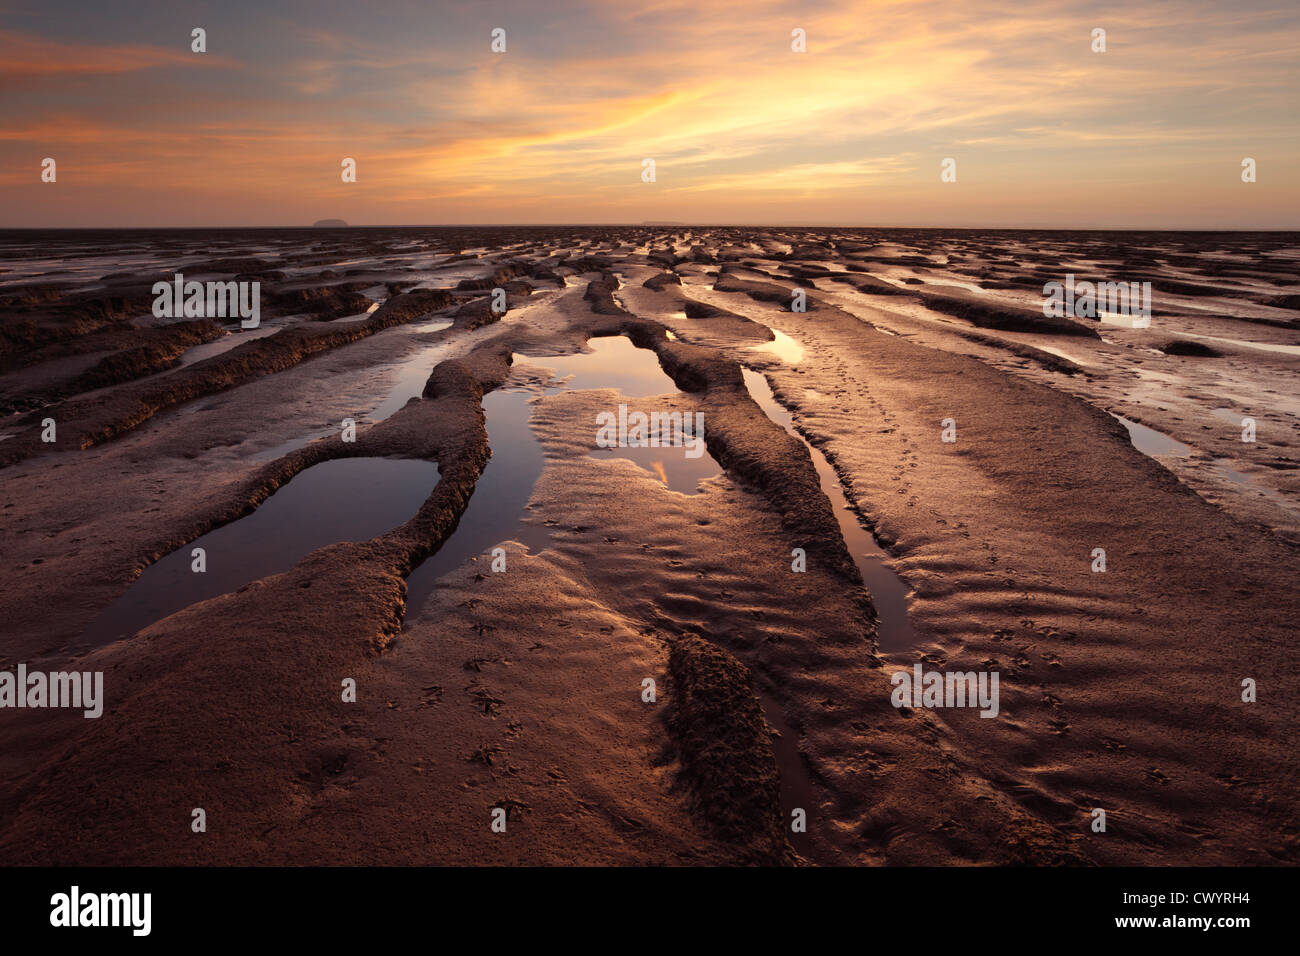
x,y
328,223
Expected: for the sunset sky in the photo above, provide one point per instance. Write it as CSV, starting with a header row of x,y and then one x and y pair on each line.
x,y
743,130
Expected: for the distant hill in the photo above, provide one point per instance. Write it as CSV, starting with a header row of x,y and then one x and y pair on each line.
x,y
329,223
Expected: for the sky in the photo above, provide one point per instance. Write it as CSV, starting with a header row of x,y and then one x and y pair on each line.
x,y
742,129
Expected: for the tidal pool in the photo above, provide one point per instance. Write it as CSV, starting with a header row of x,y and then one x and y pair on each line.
x,y
348,499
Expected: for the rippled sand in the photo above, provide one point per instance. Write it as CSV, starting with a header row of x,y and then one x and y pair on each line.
x,y
523,688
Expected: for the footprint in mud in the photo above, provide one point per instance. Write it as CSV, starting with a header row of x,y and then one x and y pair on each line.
x,y
485,699
486,754
324,768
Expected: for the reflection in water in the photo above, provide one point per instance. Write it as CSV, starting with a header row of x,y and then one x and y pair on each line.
x,y
1151,442
1228,415
1264,346
412,374
497,506
500,496
230,340
782,346
349,499
1155,444
888,592
614,362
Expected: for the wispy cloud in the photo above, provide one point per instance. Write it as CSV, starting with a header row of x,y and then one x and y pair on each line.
x,y
556,128
29,59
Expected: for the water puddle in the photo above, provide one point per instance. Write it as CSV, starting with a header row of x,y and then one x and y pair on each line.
x,y
1263,346
1228,415
500,496
412,374
1236,477
1248,483
435,326
782,346
197,353
348,499
293,444
614,362
888,592
356,317
447,279
796,786
672,466
1151,442
1156,444
1121,320
940,281
1059,354
230,340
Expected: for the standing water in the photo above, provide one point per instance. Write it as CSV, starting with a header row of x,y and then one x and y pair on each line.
x,y
500,496
888,592
348,499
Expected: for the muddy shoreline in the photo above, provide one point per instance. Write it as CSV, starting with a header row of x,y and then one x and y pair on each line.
x,y
522,690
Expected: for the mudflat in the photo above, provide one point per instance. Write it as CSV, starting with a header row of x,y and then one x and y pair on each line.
x,y
554,649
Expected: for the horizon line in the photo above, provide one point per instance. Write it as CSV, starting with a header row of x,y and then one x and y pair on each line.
x,y
657,225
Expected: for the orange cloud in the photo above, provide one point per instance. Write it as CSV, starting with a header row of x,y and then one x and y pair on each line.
x,y
24,57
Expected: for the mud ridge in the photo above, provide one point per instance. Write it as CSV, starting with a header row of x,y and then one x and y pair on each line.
x,y
83,424
717,724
